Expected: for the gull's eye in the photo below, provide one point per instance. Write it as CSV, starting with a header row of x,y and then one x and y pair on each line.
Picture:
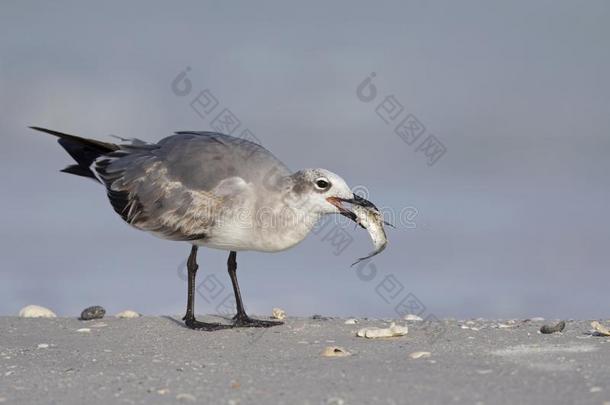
x,y
322,183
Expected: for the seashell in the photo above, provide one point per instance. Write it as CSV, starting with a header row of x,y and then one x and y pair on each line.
x,y
186,397
95,312
278,313
36,311
351,321
547,329
601,329
335,351
420,355
392,331
127,314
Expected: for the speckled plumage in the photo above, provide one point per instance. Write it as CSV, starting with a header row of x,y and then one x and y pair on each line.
x,y
211,190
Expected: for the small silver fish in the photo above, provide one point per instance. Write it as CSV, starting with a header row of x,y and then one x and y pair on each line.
x,y
372,220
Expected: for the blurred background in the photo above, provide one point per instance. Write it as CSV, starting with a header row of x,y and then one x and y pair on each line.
x,y
509,221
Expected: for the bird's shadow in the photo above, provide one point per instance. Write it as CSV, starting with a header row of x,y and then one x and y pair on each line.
x,y
181,323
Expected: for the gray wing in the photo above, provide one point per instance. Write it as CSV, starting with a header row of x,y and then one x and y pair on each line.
x,y
175,188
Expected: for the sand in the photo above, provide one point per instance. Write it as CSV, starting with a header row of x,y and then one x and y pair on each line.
x,y
157,360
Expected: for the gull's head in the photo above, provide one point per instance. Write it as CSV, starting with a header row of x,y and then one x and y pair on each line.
x,y
325,192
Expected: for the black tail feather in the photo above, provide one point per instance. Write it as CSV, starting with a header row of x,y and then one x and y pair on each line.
x,y
83,151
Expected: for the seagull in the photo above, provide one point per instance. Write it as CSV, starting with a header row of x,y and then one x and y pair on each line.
x,y
210,190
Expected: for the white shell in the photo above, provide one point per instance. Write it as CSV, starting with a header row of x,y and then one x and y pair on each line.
x,y
186,397
335,351
128,314
413,317
601,329
36,311
278,313
351,321
392,331
419,355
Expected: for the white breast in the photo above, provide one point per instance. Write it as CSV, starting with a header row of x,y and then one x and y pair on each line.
x,y
271,232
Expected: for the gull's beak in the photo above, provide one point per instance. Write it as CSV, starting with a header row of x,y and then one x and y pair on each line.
x,y
356,200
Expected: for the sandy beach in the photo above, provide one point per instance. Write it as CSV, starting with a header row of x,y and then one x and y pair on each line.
x,y
158,360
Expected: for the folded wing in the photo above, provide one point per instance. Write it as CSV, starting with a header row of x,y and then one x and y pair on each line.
x,y
178,187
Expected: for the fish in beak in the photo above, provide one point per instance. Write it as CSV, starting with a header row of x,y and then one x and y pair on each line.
x,y
367,215
355,200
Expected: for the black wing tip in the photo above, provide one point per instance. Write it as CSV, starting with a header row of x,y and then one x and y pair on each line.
x,y
80,171
49,131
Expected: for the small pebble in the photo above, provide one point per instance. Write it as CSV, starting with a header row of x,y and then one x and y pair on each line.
x,y
84,330
412,317
127,314
36,311
94,312
335,401
547,329
43,345
335,351
278,313
351,321
595,389
420,355
163,391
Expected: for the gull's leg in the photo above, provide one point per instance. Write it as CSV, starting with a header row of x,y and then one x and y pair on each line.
x,y
189,318
241,319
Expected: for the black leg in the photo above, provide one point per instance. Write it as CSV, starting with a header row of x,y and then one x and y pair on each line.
x,y
189,318
241,318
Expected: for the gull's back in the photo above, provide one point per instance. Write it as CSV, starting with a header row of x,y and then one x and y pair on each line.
x,y
180,187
